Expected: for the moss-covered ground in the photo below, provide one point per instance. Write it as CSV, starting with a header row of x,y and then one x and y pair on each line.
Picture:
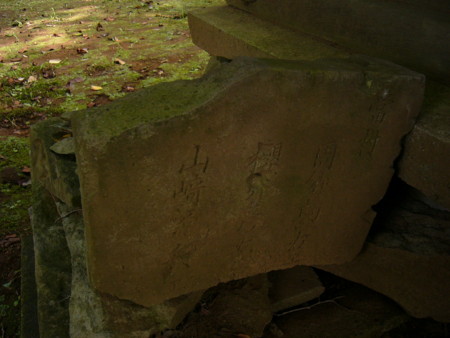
x,y
59,56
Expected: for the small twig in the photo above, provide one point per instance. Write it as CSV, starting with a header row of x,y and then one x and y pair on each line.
x,y
68,214
311,306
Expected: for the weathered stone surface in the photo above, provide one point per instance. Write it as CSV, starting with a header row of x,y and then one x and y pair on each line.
x,y
52,266
56,172
292,287
29,324
67,304
227,32
425,162
375,28
227,310
219,183
355,312
96,315
408,259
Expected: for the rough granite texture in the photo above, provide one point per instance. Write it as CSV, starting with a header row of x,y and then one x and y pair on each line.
x,y
412,37
425,162
228,32
407,258
237,173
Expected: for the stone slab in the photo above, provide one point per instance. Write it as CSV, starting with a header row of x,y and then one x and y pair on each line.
x,y
407,258
227,32
355,312
425,162
260,165
292,287
29,324
412,37
55,172
52,266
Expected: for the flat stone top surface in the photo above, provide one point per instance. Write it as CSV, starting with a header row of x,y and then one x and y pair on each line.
x,y
229,32
408,35
260,165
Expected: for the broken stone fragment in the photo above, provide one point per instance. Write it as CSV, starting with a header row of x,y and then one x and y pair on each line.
x,y
66,146
353,312
54,171
181,176
238,308
425,162
292,287
258,166
407,258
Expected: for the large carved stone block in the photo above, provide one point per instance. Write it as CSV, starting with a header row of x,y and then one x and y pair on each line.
x,y
260,165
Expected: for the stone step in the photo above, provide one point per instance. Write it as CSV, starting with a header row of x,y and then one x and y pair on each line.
x,y
190,183
425,162
228,32
407,258
416,38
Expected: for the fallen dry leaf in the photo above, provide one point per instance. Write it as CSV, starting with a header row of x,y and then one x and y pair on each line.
x,y
128,89
26,170
82,50
109,18
119,61
31,79
96,88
